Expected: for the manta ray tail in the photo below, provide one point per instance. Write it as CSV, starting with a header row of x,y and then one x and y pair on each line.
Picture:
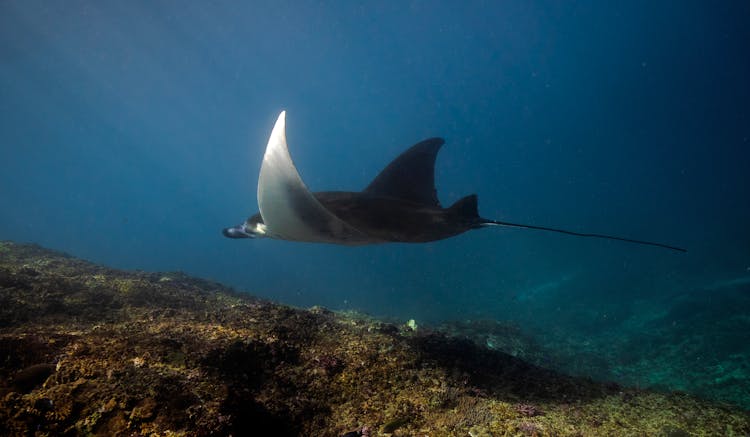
x,y
486,222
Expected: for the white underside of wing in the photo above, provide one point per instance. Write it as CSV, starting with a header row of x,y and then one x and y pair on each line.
x,y
289,209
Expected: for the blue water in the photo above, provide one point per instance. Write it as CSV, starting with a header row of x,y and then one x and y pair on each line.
x,y
131,133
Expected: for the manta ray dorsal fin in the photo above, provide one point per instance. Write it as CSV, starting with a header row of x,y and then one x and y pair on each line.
x,y
411,176
289,210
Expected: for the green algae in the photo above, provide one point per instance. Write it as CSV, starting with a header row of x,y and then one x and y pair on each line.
x,y
137,354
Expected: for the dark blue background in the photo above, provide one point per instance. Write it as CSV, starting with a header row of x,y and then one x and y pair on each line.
x,y
131,133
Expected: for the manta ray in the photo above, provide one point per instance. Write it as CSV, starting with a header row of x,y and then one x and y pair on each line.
x,y
399,206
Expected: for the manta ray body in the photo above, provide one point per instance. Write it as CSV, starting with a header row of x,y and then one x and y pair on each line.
x,y
399,205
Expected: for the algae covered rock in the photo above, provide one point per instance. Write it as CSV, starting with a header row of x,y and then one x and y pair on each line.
x,y
87,350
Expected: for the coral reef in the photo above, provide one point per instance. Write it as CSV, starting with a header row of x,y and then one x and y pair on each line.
x,y
88,350
693,341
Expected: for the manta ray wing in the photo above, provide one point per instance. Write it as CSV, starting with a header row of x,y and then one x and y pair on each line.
x,y
289,210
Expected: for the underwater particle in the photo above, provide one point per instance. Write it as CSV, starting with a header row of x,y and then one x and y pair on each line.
x,y
138,362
